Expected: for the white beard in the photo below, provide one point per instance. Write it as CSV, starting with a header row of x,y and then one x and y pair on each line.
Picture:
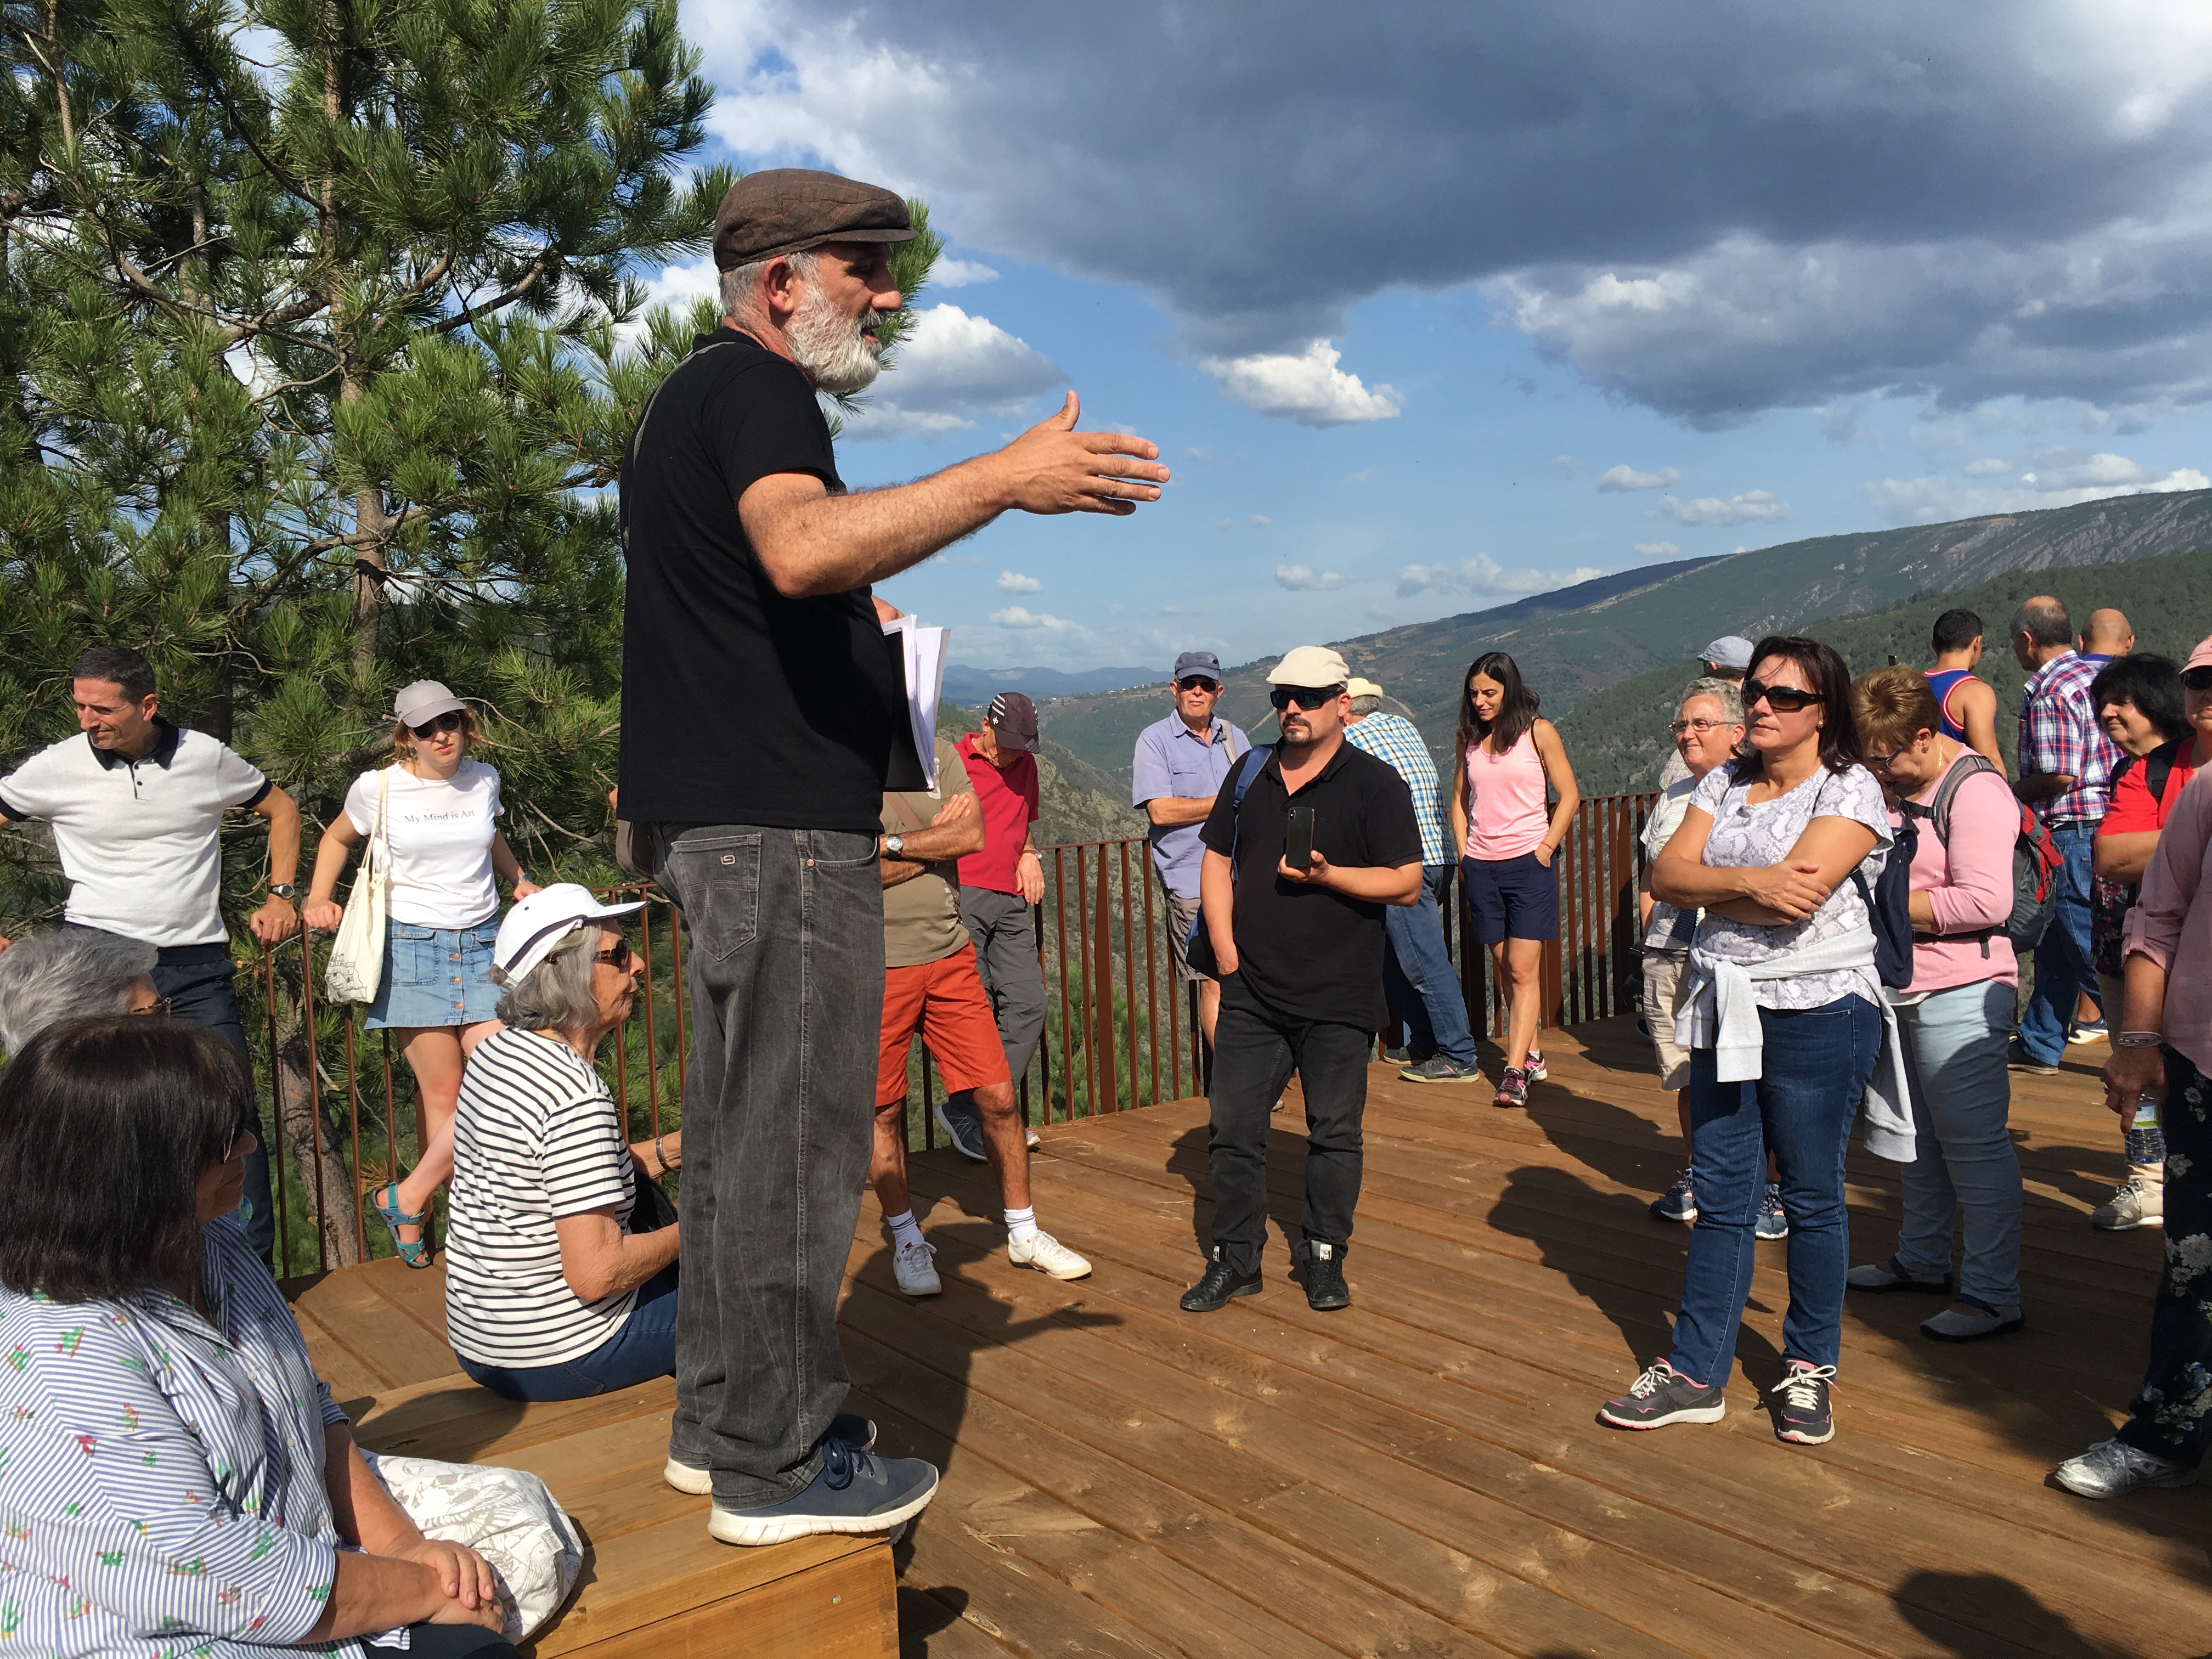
x,y
837,355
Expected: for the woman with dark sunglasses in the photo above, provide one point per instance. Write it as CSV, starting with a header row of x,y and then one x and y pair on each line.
x,y
444,855
1506,760
1784,1025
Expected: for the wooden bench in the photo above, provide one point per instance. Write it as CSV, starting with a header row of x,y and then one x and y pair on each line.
x,y
654,1582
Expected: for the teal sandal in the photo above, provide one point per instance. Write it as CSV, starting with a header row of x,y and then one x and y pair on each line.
x,y
414,1252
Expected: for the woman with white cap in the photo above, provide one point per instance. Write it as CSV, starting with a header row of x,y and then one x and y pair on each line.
x,y
445,856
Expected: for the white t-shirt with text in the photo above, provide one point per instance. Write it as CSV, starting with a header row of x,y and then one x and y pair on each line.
x,y
439,833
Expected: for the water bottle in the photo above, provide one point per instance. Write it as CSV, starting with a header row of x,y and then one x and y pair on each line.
x,y
2146,1142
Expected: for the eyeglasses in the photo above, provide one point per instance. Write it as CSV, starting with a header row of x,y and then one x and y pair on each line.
x,y
1883,762
1197,682
160,1006
1699,727
1305,697
1781,699
449,721
2197,679
615,956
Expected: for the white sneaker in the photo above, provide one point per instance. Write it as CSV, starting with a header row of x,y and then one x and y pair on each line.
x,y
2133,1204
2110,1469
914,1266
1048,1255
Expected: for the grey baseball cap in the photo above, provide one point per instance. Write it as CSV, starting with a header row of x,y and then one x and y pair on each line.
x,y
1198,662
1730,651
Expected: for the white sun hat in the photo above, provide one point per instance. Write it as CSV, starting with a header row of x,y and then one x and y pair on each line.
x,y
534,930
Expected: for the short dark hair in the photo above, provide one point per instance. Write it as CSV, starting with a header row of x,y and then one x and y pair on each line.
x,y
2152,683
119,663
106,1125
1840,748
1955,629
2045,622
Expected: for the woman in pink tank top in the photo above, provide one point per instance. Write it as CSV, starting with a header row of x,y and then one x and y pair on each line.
x,y
1506,757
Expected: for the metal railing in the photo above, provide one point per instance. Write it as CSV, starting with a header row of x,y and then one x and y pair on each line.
x,y
1119,1029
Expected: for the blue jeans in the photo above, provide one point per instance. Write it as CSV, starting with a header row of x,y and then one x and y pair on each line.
x,y
1954,1063
644,1348
2064,967
1418,973
1817,1063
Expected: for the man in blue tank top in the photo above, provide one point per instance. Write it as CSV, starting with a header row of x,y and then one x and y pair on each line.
x,y
1966,703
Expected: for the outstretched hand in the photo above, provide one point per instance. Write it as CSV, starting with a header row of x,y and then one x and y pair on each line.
x,y
1052,468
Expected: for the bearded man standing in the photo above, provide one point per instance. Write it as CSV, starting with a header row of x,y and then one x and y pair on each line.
x,y
760,707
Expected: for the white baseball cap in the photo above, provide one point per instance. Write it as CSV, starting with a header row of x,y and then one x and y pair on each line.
x,y
1314,667
535,925
423,701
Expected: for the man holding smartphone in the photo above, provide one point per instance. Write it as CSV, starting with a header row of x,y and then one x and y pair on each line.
x,y
1300,947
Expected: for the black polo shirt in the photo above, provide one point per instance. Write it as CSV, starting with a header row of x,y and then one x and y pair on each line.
x,y
740,706
1305,952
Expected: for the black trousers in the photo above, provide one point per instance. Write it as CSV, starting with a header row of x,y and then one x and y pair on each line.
x,y
1255,1051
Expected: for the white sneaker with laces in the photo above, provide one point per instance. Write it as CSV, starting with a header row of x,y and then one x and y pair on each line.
x,y
914,1266
2112,1469
2133,1204
1048,1255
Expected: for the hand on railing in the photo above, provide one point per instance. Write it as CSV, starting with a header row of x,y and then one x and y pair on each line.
x,y
322,915
275,921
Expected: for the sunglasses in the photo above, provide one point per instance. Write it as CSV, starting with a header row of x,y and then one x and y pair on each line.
x,y
1197,682
1781,699
1305,697
2197,679
449,721
616,955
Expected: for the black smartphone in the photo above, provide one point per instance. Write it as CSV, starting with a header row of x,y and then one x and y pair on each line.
x,y
1299,844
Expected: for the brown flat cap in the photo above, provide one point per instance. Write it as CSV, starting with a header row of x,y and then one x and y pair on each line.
x,y
786,210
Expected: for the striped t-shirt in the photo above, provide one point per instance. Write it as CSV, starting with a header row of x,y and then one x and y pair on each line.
x,y
535,1136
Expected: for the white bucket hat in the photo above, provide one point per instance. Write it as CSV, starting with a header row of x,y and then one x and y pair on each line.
x,y
534,929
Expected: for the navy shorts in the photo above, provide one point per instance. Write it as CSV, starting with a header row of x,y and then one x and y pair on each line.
x,y
1512,898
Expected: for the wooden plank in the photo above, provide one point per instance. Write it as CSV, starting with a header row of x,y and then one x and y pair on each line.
x,y
371,1329
843,1608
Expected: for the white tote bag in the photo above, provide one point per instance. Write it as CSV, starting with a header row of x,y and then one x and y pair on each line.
x,y
507,1516
357,953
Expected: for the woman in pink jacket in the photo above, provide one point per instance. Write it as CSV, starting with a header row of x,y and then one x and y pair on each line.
x,y
1956,1016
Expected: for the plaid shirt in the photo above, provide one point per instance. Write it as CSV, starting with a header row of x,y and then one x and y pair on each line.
x,y
2058,732
1393,738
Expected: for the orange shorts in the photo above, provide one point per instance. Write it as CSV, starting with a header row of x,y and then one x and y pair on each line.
x,y
945,1001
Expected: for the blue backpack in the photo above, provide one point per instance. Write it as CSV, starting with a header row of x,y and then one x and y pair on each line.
x,y
1198,944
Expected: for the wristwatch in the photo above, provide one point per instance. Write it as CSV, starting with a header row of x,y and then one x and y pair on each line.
x,y
894,845
283,889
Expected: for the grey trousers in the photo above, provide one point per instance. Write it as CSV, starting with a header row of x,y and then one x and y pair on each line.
x,y
786,969
1006,957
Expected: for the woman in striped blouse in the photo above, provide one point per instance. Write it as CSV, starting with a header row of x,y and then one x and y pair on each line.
x,y
178,1480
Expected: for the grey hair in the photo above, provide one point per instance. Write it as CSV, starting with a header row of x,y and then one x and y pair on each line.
x,y
66,975
1727,693
739,281
1364,706
2045,621
556,994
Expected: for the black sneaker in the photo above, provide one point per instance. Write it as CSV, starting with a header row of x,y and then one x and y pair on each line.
x,y
1218,1288
1664,1395
856,1492
1679,1202
1436,1069
2017,1059
1512,1088
962,1123
1326,1290
1400,1056
1800,1405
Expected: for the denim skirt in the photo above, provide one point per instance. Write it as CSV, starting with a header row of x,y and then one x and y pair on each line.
x,y
436,975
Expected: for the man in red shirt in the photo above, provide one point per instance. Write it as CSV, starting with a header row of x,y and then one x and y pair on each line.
x,y
998,885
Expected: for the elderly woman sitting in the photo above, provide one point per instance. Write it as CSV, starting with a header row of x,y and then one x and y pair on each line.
x,y
178,1477
70,974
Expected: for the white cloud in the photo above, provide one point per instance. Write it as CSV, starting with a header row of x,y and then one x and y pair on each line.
x,y
1260,521
951,369
1619,478
1012,581
949,272
2062,477
1018,618
1658,549
1299,579
1483,574
1310,389
1987,467
1762,505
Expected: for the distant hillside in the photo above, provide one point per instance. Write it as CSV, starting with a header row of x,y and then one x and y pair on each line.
x,y
1574,643
972,688
1617,738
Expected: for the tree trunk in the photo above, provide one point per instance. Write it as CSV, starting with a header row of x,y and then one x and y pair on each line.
x,y
323,1184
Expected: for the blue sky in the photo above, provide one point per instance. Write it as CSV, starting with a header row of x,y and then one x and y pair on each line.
x,y
1448,311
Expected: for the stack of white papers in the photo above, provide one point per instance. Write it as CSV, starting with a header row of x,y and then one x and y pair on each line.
x,y
922,651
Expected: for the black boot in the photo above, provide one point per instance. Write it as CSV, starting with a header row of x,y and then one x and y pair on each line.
x,y
1219,1287
1326,1290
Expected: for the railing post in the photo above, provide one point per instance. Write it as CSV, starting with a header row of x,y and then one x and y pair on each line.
x,y
1067,1029
1107,1096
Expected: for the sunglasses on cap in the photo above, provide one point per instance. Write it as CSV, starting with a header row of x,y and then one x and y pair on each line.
x,y
449,721
1305,697
1191,682
2197,679
1781,699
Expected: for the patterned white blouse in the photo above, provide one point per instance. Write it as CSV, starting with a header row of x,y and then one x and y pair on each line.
x,y
162,1476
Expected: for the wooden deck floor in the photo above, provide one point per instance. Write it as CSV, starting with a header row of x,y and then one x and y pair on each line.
x,y
1421,1473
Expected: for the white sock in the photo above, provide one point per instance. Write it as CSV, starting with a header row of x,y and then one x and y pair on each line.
x,y
905,1230
1021,1225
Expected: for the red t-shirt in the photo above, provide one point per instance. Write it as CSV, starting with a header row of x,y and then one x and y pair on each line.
x,y
1008,801
2132,811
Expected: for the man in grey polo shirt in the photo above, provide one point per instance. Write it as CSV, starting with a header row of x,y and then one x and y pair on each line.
x,y
136,807
1179,766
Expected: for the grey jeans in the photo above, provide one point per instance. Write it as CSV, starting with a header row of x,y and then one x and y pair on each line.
x,y
786,967
1954,1063
1006,957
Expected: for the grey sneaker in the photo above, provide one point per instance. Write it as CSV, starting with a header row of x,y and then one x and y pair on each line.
x,y
1771,1223
1881,1277
2133,1204
1664,1395
2111,1469
856,1430
856,1492
1436,1069
963,1125
1968,1320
